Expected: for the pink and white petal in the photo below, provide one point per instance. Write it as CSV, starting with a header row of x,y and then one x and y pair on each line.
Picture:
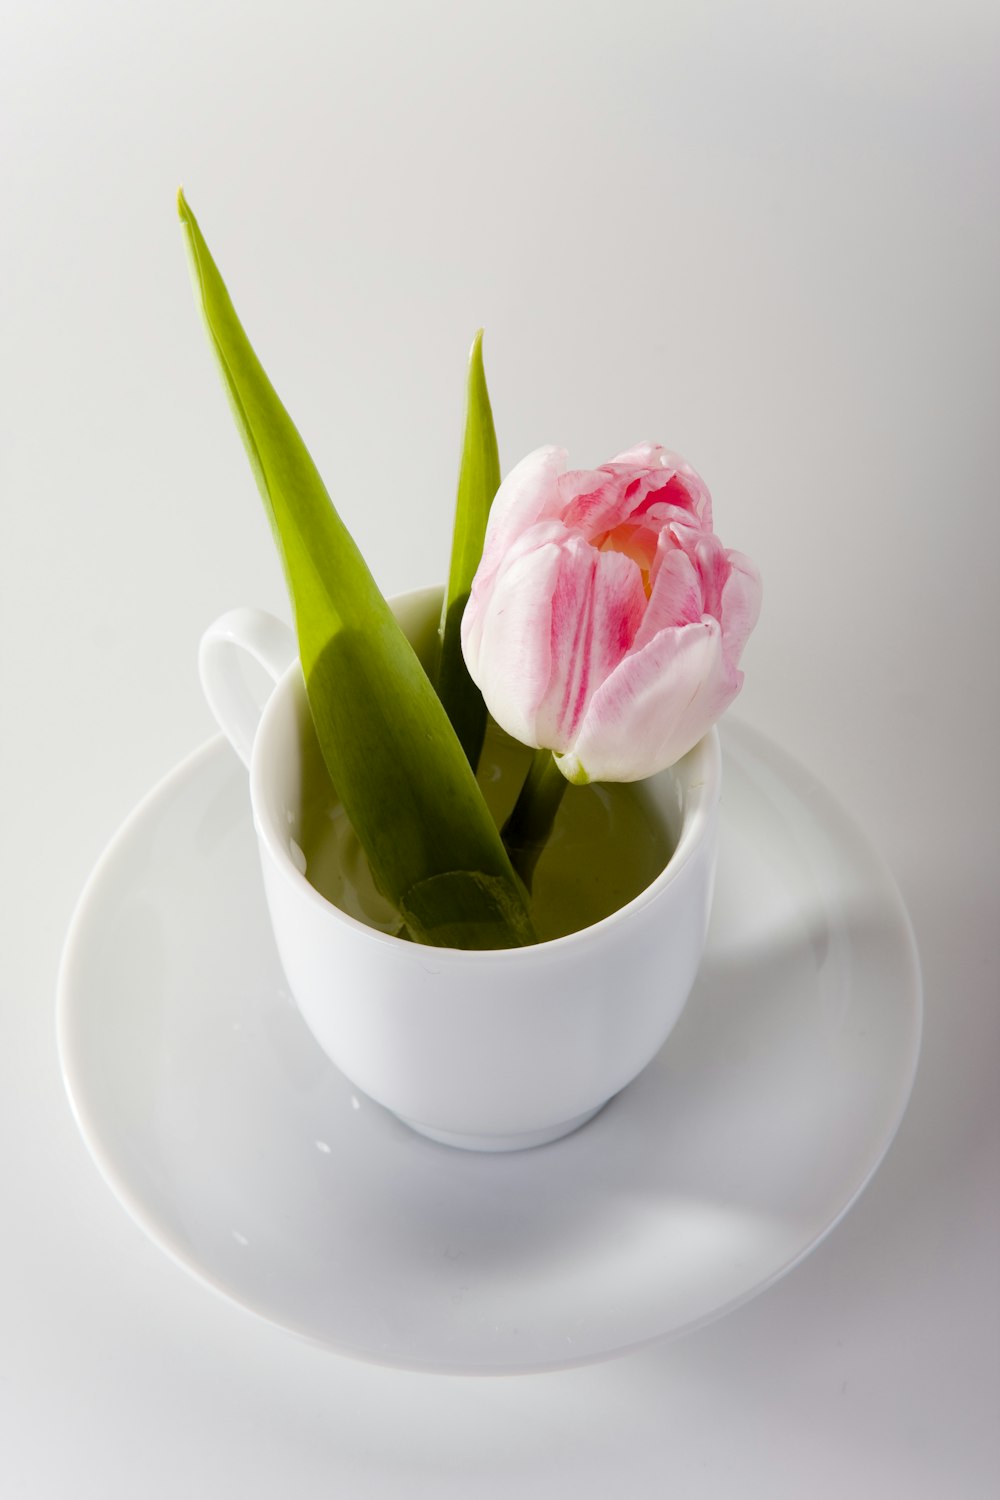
x,y
657,705
483,586
644,456
679,533
597,501
528,494
597,606
507,640
741,600
676,595
593,501
701,499
712,562
655,457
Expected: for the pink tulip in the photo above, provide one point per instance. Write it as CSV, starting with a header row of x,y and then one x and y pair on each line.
x,y
606,620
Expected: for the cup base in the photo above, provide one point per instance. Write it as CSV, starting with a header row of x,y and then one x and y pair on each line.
x,y
519,1142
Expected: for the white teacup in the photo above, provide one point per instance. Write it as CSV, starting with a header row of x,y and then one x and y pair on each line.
x,y
490,1051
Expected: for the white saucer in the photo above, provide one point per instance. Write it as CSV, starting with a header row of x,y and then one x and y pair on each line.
x,y
243,1153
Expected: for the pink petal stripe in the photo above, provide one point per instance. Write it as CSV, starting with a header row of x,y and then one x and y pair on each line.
x,y
592,500
713,570
655,456
597,605
676,597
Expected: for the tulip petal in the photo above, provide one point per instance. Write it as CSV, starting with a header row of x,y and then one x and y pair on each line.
x,y
741,599
645,456
481,607
654,456
656,705
597,605
557,619
592,501
528,494
710,559
676,598
507,639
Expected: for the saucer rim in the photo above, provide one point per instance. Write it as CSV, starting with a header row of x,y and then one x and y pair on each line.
x,y
759,745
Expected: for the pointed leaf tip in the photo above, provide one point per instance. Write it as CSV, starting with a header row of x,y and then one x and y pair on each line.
x,y
478,482
382,730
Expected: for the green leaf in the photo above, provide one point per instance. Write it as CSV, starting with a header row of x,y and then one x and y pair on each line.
x,y
478,482
391,752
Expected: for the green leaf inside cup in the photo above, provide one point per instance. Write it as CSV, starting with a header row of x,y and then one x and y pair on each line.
x,y
392,754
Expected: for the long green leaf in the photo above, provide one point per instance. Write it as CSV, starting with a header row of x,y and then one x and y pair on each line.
x,y
478,482
387,742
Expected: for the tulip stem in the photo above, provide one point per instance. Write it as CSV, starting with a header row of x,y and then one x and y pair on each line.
x,y
526,831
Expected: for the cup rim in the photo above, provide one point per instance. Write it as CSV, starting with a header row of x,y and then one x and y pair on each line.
x,y
699,805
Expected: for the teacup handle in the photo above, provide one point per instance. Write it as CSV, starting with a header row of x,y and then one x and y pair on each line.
x,y
269,642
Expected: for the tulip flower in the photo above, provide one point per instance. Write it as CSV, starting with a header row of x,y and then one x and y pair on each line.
x,y
606,620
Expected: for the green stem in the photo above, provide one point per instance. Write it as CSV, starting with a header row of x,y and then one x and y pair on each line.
x,y
526,831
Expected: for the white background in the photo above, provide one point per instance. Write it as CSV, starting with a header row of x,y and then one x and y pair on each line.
x,y
766,235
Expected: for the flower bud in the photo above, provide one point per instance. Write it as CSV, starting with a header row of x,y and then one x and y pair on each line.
x,y
606,620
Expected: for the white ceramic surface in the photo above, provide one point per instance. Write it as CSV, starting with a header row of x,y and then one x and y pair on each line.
x,y
484,1050
767,233
243,1152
